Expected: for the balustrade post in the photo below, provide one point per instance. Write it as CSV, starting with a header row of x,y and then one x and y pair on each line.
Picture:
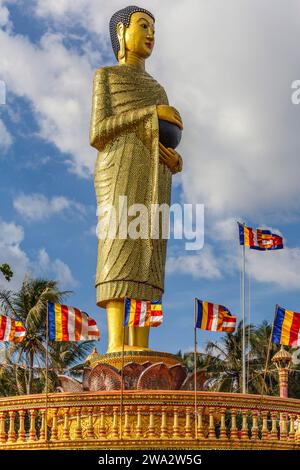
x,y
43,431
11,431
188,427
139,431
21,432
211,427
273,434
78,428
32,432
2,427
66,428
283,427
233,431
163,427
126,422
254,431
297,435
264,430
102,431
292,428
244,431
151,428
176,432
115,427
199,418
54,429
223,435
90,427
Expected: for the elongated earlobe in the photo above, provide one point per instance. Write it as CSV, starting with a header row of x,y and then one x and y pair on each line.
x,y
121,38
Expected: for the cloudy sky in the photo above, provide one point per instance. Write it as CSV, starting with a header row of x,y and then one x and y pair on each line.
x,y
228,67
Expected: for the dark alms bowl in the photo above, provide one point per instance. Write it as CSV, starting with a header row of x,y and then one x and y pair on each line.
x,y
169,134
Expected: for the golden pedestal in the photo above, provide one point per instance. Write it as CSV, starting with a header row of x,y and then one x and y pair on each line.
x,y
140,357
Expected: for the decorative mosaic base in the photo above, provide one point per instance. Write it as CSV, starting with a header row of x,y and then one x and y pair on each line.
x,y
140,357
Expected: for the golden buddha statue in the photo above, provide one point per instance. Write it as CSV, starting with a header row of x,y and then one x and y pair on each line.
x,y
128,108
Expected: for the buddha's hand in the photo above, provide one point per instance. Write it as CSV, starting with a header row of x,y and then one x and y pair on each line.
x,y
170,114
170,158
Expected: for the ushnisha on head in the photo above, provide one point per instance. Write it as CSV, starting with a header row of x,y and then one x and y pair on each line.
x,y
132,33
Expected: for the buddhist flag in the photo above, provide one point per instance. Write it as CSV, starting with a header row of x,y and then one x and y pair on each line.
x,y
143,312
214,317
70,324
11,330
258,239
286,329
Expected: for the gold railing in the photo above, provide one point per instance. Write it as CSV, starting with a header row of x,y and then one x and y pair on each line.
x,y
150,420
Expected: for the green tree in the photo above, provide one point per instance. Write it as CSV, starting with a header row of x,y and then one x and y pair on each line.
x,y
6,271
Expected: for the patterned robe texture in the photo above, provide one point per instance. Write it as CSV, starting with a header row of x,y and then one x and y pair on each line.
x,y
125,131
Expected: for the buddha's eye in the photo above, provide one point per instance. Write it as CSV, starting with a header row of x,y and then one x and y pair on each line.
x,y
144,26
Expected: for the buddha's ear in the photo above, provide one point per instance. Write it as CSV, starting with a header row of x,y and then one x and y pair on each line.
x,y
121,38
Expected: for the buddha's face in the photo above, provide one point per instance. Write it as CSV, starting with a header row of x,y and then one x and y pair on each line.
x,y
139,36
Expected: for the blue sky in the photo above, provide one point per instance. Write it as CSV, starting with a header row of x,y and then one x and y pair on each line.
x,y
229,71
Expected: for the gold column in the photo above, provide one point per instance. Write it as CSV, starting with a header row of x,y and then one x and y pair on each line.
x,y
254,431
151,428
126,422
188,427
102,431
264,429
90,427
200,423
233,432
78,428
139,432
273,434
54,430
115,428
211,427
11,431
66,428
176,432
43,431
163,427
292,428
32,433
21,433
223,436
244,433
2,427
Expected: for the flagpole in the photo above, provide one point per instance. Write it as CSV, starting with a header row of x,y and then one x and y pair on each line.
x,y
195,367
243,319
47,372
122,375
249,332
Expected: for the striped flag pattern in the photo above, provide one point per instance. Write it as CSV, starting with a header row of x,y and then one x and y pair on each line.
x,y
70,324
11,330
286,329
214,317
258,239
143,313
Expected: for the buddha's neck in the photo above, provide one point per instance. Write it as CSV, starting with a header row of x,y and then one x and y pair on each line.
x,y
133,59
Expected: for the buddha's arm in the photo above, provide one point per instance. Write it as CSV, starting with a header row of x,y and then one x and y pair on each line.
x,y
105,125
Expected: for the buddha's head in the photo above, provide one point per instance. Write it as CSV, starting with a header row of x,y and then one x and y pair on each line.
x,y
132,30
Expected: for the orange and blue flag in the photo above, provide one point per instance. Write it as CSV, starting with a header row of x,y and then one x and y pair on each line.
x,y
214,317
258,239
70,324
143,313
286,330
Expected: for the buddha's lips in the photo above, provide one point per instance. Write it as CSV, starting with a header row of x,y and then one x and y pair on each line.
x,y
149,45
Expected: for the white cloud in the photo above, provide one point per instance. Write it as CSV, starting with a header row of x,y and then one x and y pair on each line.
x,y
12,253
58,83
5,137
201,265
34,207
281,267
56,269
11,237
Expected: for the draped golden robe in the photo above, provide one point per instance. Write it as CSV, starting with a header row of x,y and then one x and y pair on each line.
x,y
124,130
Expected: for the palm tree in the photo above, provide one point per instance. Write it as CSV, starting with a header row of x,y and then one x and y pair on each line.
x,y
29,305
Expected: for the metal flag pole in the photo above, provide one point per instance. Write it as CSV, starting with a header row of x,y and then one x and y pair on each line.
x,y
249,331
47,371
243,319
122,374
195,367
